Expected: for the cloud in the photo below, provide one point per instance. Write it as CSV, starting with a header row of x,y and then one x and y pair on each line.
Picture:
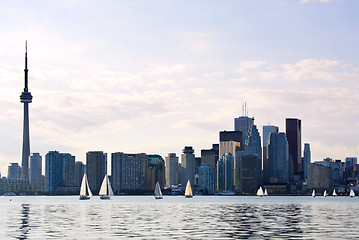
x,y
193,41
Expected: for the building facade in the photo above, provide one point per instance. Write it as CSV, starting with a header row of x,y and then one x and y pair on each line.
x,y
172,168
35,175
225,173
96,169
14,171
80,170
129,171
206,178
188,169
155,171
293,133
53,171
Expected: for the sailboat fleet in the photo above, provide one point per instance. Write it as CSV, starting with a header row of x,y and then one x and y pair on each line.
x,y
106,191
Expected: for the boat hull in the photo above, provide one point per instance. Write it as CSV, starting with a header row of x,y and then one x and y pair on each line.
x,y
84,197
188,196
104,197
158,197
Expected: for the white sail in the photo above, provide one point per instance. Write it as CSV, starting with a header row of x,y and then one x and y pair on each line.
x,y
265,192
158,192
334,193
352,193
106,189
325,193
313,193
85,192
188,193
260,192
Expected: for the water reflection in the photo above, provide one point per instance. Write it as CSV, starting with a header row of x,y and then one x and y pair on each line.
x,y
24,226
177,218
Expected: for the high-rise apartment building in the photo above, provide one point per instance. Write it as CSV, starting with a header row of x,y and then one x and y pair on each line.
x,y
253,142
155,171
187,166
129,171
80,170
14,171
35,176
68,170
277,169
53,171
171,169
293,132
96,169
206,178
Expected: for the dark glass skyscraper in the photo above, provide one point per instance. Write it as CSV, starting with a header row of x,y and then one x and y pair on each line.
x,y
26,98
96,169
293,132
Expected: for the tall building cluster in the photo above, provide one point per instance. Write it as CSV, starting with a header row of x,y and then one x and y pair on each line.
x,y
239,163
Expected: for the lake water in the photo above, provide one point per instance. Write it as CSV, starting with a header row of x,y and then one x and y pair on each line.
x,y
175,217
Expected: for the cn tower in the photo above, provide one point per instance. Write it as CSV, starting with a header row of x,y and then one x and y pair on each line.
x,y
26,98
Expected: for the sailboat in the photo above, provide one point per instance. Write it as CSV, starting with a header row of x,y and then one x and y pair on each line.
x,y
106,189
85,192
334,193
313,193
325,193
352,193
158,193
188,193
260,192
265,192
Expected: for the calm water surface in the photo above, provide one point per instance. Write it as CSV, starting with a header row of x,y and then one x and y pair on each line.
x,y
174,217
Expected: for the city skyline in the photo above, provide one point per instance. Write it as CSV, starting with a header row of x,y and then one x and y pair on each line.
x,y
154,78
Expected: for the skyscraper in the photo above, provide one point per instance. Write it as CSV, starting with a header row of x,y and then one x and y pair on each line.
x,y
293,132
267,130
306,159
79,173
26,98
278,159
155,171
35,176
187,166
171,164
225,173
129,171
96,169
53,171
243,124
206,178
14,171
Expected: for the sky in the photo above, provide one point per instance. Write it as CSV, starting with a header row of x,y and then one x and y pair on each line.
x,y
155,76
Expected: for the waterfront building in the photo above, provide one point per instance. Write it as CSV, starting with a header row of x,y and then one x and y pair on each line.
x,y
319,178
155,171
277,168
129,171
250,173
14,171
306,160
16,185
172,169
35,176
53,171
225,173
206,178
96,169
80,170
338,169
293,133
188,166
267,130
68,170
26,98
243,124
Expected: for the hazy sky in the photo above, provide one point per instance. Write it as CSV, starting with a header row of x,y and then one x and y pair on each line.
x,y
155,76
